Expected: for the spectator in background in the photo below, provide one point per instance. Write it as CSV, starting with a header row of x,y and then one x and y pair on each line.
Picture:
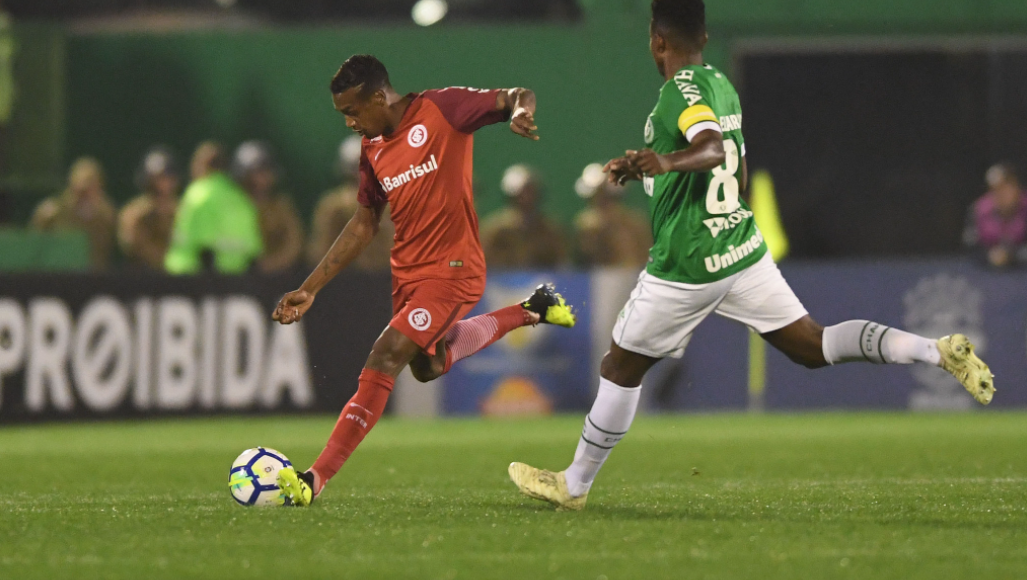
x,y
609,234
144,225
256,170
337,207
997,223
216,225
83,206
519,236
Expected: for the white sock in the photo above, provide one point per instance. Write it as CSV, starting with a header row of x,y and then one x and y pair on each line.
x,y
862,340
605,425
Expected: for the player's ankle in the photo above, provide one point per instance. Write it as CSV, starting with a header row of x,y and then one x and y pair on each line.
x,y
532,318
319,483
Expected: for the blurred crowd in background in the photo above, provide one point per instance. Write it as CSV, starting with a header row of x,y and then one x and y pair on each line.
x,y
227,212
997,222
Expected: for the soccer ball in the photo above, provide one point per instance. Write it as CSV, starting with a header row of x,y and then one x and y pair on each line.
x,y
253,477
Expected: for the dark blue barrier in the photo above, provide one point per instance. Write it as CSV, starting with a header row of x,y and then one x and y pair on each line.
x,y
81,346
87,346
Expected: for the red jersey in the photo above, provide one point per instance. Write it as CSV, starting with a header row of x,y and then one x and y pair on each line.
x,y
423,170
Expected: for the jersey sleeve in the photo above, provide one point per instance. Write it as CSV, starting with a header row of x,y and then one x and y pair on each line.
x,y
692,104
370,193
467,109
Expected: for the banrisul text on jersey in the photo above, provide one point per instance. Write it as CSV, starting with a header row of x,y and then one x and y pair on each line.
x,y
703,229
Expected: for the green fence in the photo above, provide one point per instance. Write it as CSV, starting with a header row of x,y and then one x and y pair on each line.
x,y
594,91
595,82
34,138
28,251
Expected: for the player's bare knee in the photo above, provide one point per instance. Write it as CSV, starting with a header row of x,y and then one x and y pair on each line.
x,y
385,362
620,372
814,351
388,356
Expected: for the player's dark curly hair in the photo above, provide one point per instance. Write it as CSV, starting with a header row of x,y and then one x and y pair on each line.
x,y
684,19
360,69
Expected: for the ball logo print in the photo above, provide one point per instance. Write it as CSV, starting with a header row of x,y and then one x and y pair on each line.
x,y
420,319
417,136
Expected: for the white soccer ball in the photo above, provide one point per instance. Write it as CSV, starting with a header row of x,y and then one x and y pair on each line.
x,y
253,477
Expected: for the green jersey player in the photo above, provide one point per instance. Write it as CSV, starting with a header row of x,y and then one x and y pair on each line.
x,y
708,256
703,229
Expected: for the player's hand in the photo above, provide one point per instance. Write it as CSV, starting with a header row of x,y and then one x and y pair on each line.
x,y
522,122
293,306
648,162
620,170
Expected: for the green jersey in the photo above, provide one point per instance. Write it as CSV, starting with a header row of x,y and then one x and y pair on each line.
x,y
214,215
703,230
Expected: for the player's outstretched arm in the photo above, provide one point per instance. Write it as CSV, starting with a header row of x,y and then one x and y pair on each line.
x,y
520,103
704,153
357,234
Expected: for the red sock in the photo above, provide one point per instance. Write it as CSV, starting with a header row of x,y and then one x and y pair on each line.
x,y
469,336
356,420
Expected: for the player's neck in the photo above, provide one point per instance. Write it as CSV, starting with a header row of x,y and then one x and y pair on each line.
x,y
398,105
676,62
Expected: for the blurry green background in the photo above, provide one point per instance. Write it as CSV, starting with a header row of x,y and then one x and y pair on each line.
x,y
112,95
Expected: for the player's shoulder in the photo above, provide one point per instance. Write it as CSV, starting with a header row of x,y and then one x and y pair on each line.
x,y
447,99
694,82
454,92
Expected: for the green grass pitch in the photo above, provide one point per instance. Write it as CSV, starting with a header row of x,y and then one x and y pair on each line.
x,y
716,496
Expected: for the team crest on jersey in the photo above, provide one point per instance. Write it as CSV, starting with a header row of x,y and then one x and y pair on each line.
x,y
417,136
419,319
650,134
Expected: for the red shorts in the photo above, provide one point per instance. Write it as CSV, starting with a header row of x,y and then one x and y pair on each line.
x,y
423,310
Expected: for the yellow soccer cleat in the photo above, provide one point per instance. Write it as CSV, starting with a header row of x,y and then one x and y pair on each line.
x,y
958,358
550,306
296,491
546,486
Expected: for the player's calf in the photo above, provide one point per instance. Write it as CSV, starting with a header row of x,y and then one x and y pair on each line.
x,y
801,341
356,420
392,352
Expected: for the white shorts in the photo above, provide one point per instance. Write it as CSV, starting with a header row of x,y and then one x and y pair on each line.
x,y
659,318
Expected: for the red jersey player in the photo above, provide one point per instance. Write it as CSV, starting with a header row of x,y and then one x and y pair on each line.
x,y
416,156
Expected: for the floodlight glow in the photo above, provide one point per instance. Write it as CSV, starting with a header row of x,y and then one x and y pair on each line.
x,y
428,12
